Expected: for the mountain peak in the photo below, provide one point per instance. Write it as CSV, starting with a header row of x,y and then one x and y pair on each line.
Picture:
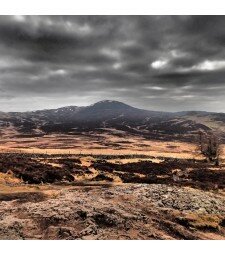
x,y
106,102
110,103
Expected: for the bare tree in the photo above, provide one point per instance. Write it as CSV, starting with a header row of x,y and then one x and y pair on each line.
x,y
210,146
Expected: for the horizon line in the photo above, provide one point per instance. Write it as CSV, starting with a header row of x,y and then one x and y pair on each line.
x,y
108,100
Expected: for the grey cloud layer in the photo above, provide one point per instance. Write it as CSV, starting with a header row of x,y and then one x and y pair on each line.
x,y
156,62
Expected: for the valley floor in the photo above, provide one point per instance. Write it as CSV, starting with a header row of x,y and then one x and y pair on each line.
x,y
107,141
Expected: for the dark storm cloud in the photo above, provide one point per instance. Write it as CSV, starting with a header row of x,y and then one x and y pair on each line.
x,y
157,62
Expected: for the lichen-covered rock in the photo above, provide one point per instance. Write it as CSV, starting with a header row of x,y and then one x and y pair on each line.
x,y
131,211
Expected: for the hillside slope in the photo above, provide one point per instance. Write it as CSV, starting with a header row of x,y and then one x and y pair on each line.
x,y
117,115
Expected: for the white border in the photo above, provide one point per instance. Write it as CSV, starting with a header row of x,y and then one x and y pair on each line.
x,y
115,7
112,7
111,247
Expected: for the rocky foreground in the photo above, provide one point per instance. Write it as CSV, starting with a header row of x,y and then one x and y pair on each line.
x,y
127,211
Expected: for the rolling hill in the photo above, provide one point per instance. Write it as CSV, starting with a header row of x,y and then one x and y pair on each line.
x,y
117,115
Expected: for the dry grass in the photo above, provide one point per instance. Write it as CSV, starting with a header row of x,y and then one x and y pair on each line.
x,y
202,221
134,160
10,184
9,178
106,143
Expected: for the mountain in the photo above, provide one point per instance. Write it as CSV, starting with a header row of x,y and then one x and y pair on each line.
x,y
117,115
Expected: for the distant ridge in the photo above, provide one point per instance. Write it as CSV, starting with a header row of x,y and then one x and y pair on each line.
x,y
116,115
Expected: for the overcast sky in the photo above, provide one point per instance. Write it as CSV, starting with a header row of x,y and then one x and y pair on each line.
x,y
168,63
